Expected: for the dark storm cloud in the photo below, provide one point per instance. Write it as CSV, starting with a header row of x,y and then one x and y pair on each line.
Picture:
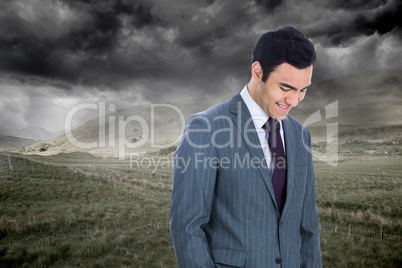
x,y
100,33
41,37
347,20
269,5
201,24
383,20
125,52
112,44
356,4
165,46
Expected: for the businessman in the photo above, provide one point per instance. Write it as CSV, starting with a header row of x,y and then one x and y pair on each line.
x,y
243,182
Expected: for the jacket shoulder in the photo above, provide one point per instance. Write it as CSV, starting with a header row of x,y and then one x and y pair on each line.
x,y
295,123
220,109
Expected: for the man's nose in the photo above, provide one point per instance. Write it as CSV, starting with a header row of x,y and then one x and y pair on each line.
x,y
293,99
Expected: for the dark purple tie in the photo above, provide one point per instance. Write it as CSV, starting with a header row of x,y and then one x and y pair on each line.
x,y
279,161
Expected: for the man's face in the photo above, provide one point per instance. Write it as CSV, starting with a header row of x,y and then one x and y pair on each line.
x,y
283,90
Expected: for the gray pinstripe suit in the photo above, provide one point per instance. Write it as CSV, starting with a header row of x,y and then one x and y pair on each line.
x,y
224,211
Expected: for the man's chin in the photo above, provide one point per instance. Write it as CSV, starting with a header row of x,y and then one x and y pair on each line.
x,y
281,117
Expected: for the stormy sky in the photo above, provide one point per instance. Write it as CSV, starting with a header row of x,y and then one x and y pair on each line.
x,y
56,54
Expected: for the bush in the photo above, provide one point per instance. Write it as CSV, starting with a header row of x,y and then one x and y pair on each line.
x,y
168,150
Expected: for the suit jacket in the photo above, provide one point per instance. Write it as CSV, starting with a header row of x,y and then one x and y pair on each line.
x,y
223,208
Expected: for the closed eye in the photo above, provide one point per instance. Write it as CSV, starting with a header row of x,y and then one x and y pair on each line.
x,y
286,87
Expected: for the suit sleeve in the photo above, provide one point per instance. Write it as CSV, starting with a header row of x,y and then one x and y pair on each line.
x,y
311,250
194,176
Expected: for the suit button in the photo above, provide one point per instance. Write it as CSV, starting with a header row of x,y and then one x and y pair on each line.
x,y
278,260
280,222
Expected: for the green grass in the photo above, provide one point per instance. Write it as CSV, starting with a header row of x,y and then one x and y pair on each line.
x,y
341,251
365,192
78,210
52,215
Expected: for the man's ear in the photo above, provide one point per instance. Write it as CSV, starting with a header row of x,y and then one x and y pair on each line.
x,y
256,71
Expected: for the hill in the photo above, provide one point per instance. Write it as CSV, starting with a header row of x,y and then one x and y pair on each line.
x,y
382,133
32,132
8,143
358,101
136,129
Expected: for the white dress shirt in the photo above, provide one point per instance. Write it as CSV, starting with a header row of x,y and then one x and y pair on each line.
x,y
259,119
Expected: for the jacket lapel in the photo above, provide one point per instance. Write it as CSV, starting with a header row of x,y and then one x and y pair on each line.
x,y
245,126
290,161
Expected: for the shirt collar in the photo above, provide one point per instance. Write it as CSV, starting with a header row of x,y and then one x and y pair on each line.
x,y
257,114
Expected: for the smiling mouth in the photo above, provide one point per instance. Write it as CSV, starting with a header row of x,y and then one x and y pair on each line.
x,y
283,108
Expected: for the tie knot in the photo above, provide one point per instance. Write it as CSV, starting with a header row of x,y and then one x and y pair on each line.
x,y
272,125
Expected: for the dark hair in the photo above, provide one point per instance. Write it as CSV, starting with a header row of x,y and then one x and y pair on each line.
x,y
286,44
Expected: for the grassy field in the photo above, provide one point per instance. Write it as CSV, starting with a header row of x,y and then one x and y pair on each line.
x,y
77,210
365,192
82,215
